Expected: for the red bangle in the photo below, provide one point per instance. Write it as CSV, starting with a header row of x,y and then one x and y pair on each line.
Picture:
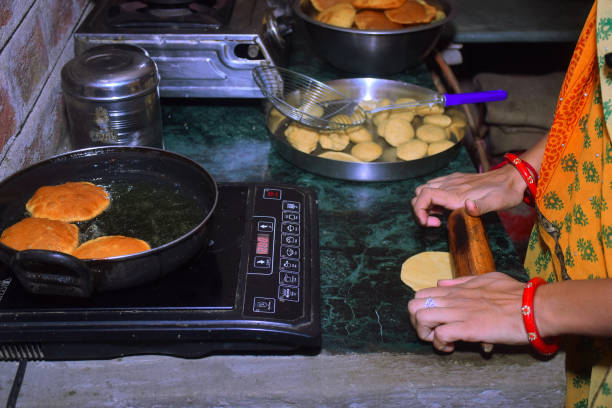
x,y
527,172
543,347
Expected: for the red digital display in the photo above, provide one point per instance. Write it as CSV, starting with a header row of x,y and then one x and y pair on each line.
x,y
273,193
263,244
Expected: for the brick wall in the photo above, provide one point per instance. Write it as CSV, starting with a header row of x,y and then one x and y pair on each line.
x,y
35,43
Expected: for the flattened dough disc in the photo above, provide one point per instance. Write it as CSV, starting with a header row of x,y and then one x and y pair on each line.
x,y
425,269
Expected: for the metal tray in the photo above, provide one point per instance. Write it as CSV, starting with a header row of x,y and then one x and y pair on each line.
x,y
379,170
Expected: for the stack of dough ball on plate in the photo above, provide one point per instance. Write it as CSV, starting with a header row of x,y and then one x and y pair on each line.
x,y
399,134
375,14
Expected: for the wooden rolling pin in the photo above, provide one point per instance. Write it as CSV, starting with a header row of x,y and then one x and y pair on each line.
x,y
469,248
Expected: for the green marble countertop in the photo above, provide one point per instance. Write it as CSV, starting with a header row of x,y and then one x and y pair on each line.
x,y
366,229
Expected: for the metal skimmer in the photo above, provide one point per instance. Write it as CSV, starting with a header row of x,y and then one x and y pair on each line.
x,y
306,100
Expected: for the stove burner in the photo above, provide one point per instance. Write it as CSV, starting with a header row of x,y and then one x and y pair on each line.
x,y
175,14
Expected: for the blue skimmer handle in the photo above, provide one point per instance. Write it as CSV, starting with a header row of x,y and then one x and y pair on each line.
x,y
475,97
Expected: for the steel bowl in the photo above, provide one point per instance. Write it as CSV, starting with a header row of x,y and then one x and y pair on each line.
x,y
373,52
385,168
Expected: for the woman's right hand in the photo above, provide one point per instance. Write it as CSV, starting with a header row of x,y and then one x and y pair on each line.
x,y
479,192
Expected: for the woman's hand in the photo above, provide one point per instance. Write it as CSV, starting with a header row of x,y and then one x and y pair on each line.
x,y
478,192
484,308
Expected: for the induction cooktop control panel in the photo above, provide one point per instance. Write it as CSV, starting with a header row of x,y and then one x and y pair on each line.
x,y
277,273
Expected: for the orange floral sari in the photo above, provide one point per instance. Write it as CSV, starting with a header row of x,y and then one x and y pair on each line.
x,y
573,234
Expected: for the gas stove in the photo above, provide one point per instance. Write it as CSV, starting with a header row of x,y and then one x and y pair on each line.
x,y
254,289
202,48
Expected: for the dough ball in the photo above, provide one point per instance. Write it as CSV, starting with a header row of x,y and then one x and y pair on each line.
x,y
340,15
429,110
438,119
425,269
398,131
303,139
437,147
455,132
368,105
313,109
359,134
381,116
367,151
333,141
457,116
274,119
430,133
403,114
412,150
338,156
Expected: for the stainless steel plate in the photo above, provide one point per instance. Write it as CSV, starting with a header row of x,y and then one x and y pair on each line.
x,y
383,169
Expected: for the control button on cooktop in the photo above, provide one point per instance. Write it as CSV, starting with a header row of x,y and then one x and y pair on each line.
x,y
286,293
291,206
265,226
264,305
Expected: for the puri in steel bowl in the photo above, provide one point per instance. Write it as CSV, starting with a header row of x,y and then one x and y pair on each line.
x,y
371,52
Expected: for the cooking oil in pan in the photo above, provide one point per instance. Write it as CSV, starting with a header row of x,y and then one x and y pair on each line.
x,y
157,214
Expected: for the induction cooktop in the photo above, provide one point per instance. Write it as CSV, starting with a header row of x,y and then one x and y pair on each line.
x,y
253,289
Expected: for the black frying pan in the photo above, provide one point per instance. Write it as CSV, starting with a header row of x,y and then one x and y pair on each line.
x,y
163,198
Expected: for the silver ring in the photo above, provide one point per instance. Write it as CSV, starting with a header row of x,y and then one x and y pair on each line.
x,y
429,303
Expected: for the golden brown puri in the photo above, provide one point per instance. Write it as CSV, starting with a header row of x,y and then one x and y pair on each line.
x,y
340,15
41,233
375,20
377,4
110,246
321,5
71,201
412,12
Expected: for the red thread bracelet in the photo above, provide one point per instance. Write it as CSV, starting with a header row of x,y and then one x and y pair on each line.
x,y
533,335
527,172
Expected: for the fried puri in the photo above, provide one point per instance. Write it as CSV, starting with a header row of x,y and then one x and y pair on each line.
x,y
41,233
377,4
375,20
321,5
340,15
71,201
411,12
110,246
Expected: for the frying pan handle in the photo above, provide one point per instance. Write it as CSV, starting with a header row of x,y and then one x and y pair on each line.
x,y
474,97
52,273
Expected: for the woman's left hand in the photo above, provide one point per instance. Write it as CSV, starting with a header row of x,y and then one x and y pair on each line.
x,y
484,308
